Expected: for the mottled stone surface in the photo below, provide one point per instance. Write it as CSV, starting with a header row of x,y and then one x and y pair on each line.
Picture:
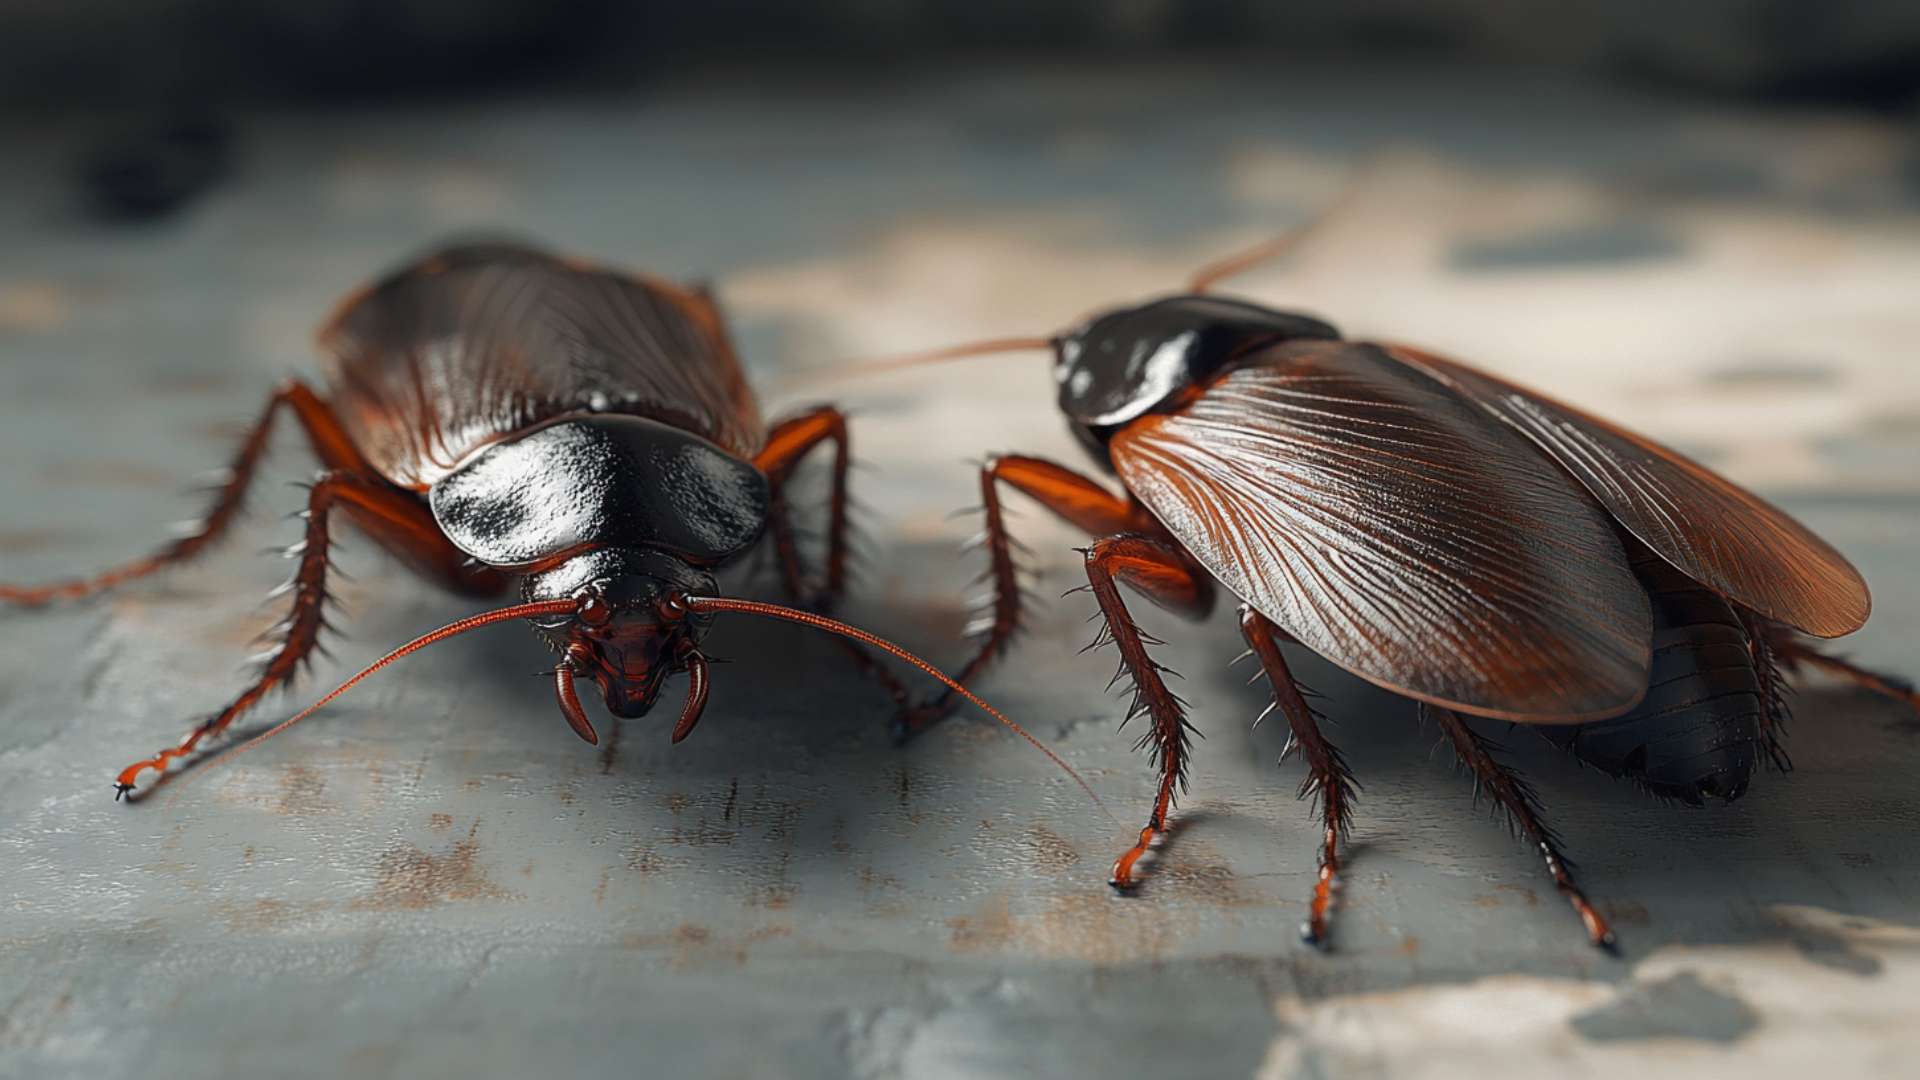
x,y
436,879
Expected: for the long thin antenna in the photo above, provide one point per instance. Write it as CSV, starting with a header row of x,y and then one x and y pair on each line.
x,y
821,622
460,626
1241,261
982,347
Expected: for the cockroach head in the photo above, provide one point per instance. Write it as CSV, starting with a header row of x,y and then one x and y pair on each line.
x,y
630,627
1123,364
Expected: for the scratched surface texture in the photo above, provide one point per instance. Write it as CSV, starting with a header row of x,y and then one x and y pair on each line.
x,y
435,879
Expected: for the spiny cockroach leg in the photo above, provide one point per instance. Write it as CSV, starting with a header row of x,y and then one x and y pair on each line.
x,y
1513,795
1794,653
401,522
330,444
1774,710
1153,567
788,443
1328,782
1080,501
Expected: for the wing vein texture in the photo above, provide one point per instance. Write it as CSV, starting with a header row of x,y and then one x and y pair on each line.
x,y
1705,526
1395,529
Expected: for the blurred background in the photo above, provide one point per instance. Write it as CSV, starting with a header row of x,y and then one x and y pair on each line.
x,y
1701,219
217,50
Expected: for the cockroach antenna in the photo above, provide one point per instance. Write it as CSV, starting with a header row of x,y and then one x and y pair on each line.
x,y
834,626
124,783
675,606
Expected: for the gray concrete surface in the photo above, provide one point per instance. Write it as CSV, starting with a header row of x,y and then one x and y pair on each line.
x,y
436,879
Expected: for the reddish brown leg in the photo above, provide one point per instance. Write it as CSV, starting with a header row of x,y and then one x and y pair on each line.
x,y
1160,571
1074,498
1328,780
1512,794
1794,653
330,443
787,445
400,520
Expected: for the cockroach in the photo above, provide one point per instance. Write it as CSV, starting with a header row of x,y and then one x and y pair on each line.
x,y
491,413
1440,532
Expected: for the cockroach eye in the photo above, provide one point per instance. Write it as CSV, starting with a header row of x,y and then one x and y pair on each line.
x,y
594,611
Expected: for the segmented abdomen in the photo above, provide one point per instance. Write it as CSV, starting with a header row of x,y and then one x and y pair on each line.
x,y
1698,732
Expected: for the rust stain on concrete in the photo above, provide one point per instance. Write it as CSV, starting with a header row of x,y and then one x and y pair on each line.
x,y
1627,913
34,306
1050,852
265,914
691,944
411,879
1524,892
1084,926
303,792
24,541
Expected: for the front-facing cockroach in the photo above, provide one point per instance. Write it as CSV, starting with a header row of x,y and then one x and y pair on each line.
x,y
492,412
1458,540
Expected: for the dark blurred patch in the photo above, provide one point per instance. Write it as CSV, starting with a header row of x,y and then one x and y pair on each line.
x,y
1598,243
1901,424
1830,950
1678,1007
1707,177
1886,82
1882,77
150,171
1862,52
365,49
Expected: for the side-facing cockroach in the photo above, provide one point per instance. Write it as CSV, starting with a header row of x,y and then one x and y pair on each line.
x,y
1475,546
493,412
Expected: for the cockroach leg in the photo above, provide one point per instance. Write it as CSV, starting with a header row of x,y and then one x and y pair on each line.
x,y
1774,711
396,518
1513,795
1794,653
788,443
324,433
1076,499
1161,571
1329,782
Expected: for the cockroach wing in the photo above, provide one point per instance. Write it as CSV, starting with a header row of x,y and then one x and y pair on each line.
x,y
1710,529
1393,528
474,343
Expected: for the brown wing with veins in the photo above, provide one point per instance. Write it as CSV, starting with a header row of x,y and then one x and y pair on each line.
x,y
1709,528
1392,527
475,343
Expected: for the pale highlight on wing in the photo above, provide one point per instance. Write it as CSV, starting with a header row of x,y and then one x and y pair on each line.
x,y
1395,529
478,342
1709,528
